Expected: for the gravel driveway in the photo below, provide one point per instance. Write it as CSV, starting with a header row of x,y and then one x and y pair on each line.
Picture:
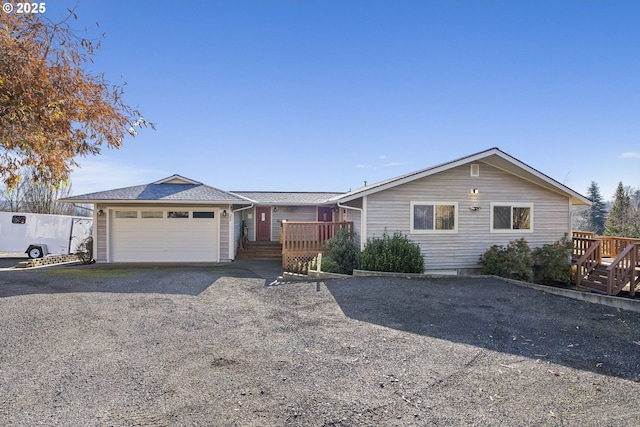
x,y
217,346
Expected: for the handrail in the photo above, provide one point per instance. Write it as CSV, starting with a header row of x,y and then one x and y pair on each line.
x,y
623,270
581,245
584,234
589,259
611,246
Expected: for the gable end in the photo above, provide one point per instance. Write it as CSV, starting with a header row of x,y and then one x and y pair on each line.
x,y
177,179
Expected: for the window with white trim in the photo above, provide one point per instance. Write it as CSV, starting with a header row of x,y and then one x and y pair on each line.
x,y
126,214
178,214
511,217
151,214
203,214
434,217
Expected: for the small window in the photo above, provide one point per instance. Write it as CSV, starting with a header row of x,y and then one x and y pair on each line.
x,y
475,169
429,217
507,217
178,214
151,214
203,214
126,214
18,219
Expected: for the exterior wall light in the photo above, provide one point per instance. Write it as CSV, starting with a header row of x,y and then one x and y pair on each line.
x,y
275,209
474,191
474,208
224,212
100,212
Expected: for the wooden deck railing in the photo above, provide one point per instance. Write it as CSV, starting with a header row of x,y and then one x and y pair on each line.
x,y
588,254
302,241
584,234
582,244
611,246
623,270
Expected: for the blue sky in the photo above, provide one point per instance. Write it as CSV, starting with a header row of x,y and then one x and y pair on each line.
x,y
323,95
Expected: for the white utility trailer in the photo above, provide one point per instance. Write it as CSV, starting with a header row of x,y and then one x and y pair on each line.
x,y
40,234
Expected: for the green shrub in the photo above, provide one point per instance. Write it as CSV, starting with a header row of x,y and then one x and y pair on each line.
x,y
394,254
341,253
551,264
512,261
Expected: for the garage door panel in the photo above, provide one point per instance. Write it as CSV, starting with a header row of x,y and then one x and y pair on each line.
x,y
164,240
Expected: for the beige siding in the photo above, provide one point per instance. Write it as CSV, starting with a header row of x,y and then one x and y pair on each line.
x,y
390,210
225,230
237,230
355,216
291,213
248,216
100,234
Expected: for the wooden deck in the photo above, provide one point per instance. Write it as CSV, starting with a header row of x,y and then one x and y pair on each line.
x,y
593,272
303,241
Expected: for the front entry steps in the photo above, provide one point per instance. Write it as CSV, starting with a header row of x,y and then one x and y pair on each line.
x,y
597,279
260,250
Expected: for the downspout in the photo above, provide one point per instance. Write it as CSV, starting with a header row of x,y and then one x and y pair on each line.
x,y
362,224
570,219
242,209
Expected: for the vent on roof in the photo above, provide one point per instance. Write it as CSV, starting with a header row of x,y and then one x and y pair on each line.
x,y
475,169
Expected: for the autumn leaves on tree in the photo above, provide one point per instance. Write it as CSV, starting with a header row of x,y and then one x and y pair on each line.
x,y
53,110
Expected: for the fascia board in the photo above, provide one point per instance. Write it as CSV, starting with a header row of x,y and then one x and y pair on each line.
x,y
551,184
179,177
483,156
156,201
385,185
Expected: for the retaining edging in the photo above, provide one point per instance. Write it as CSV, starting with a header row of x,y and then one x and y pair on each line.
x,y
610,301
49,260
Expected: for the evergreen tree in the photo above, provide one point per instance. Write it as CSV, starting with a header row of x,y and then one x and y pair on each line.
x,y
597,213
635,197
635,206
621,217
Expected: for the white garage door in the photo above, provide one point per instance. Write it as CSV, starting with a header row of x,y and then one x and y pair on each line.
x,y
176,235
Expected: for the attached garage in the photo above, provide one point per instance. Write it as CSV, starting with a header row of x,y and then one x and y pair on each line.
x,y
165,235
175,219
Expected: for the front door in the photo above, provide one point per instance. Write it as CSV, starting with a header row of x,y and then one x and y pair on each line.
x,y
263,223
325,214
325,231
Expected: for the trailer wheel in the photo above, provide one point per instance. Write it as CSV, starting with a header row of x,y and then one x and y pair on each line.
x,y
35,252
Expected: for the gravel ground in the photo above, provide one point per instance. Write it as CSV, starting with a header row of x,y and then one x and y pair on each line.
x,y
219,346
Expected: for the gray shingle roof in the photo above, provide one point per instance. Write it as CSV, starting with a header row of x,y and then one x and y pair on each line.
x,y
161,192
287,198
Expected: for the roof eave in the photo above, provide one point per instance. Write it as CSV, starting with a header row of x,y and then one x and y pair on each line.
x,y
551,184
137,201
